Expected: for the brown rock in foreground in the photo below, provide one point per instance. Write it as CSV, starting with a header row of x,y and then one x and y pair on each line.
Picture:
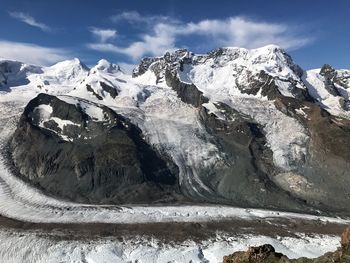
x,y
266,254
345,239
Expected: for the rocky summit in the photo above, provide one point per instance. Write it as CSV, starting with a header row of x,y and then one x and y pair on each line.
x,y
234,126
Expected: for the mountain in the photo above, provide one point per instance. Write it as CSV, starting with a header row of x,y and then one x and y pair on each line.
x,y
103,159
234,126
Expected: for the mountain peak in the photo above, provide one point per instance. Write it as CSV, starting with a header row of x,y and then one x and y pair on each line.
x,y
327,70
270,47
67,71
14,73
106,66
70,63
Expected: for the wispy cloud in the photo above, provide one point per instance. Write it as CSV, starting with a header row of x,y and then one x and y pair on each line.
x,y
164,34
29,20
31,54
244,32
136,17
153,44
103,34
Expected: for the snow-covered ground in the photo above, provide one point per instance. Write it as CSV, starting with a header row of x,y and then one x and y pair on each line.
x,y
29,247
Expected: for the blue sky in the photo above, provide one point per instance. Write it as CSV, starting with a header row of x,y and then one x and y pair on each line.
x,y
46,31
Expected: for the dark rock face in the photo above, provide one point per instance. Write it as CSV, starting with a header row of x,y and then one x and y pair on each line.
x,y
329,74
89,89
264,82
177,58
268,87
246,177
332,78
101,161
327,163
267,254
143,66
188,93
112,91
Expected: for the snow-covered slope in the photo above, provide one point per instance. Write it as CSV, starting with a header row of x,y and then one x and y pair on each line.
x,y
25,81
331,93
231,71
28,247
14,73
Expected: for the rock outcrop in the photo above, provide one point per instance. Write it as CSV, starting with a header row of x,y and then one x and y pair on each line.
x,y
267,254
264,253
88,153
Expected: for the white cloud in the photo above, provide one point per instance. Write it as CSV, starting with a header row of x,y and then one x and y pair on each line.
x,y
243,32
136,17
164,34
153,44
103,34
30,53
29,20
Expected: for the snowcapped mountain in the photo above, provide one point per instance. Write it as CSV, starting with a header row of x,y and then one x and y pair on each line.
x,y
330,88
234,126
235,70
21,82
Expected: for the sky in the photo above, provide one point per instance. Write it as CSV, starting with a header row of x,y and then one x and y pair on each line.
x,y
42,32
